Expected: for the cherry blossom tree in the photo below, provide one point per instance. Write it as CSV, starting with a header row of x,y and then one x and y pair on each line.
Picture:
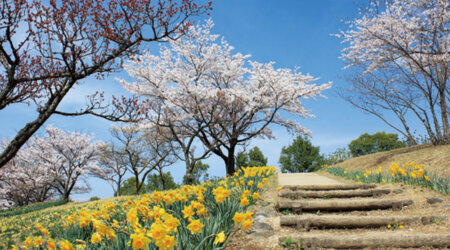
x,y
57,163
409,42
48,47
199,80
24,180
70,157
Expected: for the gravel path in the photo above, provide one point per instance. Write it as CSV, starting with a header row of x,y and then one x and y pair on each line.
x,y
305,179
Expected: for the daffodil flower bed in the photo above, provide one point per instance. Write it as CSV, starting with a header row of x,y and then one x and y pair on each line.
x,y
411,173
191,217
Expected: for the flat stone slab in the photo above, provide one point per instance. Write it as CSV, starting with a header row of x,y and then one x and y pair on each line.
x,y
305,179
261,229
433,200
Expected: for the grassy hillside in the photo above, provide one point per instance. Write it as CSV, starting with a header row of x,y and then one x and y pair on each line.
x,y
435,158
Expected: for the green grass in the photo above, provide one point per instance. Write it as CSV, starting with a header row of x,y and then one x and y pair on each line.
x,y
31,208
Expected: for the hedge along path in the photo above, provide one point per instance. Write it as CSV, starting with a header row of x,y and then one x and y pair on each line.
x,y
315,197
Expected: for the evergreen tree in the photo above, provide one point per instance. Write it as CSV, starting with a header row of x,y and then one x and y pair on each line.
x,y
157,182
129,187
241,160
300,156
199,173
257,158
254,158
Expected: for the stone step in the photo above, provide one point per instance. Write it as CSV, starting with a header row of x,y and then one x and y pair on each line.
x,y
304,223
341,205
334,193
329,187
391,240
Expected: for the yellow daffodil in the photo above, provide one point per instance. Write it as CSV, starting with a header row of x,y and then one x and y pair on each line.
x,y
247,224
168,242
244,201
51,244
157,231
139,241
65,245
195,226
187,212
220,238
96,238
238,217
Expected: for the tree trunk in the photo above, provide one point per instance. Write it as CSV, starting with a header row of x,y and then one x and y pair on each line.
x,y
437,128
66,196
161,176
407,133
230,161
189,177
119,183
443,106
136,184
30,128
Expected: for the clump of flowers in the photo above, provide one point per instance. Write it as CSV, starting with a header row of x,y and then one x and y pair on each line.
x,y
245,220
155,220
409,172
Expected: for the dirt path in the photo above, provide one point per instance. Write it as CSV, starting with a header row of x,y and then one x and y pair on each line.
x,y
300,179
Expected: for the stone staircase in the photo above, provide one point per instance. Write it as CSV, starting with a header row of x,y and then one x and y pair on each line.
x,y
314,210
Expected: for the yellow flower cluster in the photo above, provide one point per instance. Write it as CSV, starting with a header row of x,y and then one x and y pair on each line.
x,y
221,193
142,221
367,173
244,219
410,168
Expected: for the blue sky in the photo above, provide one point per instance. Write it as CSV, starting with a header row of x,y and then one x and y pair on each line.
x,y
291,33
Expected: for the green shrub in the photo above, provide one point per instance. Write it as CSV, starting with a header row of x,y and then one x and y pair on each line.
x,y
94,198
378,142
254,158
300,156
